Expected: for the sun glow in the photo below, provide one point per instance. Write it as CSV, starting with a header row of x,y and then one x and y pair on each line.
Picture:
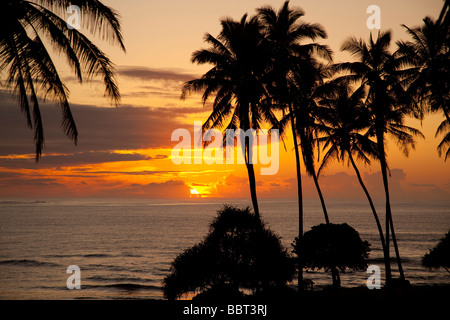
x,y
194,193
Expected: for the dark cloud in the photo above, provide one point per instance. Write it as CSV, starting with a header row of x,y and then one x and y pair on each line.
x,y
79,158
25,181
342,185
420,185
396,178
86,173
142,94
159,190
200,185
144,73
100,129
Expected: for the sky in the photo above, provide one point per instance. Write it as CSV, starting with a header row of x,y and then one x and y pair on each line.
x,y
125,151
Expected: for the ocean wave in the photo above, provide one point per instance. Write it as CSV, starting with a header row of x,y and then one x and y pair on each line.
x,y
29,263
119,279
393,259
14,202
131,255
94,255
123,286
97,255
104,267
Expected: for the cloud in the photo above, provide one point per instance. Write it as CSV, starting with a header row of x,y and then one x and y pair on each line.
x,y
100,129
160,190
396,184
335,186
88,172
143,73
73,159
422,185
25,181
199,185
232,179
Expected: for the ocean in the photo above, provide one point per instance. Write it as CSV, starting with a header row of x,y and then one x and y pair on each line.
x,y
124,247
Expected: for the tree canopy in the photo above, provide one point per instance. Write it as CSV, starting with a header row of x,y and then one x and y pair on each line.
x,y
439,256
238,252
332,247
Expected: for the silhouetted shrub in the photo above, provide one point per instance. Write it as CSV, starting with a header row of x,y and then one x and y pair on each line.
x,y
332,247
238,252
439,256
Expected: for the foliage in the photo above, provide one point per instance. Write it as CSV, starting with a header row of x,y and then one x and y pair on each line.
x,y
330,246
238,252
240,56
428,59
31,73
439,256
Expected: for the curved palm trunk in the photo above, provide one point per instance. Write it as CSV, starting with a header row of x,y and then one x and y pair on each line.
x,y
388,208
322,200
374,212
389,222
397,253
336,279
299,198
334,271
251,180
312,172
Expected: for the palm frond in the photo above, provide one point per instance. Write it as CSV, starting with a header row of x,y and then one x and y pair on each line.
x,y
98,18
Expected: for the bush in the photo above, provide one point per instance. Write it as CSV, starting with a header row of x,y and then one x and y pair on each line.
x,y
439,256
238,252
332,247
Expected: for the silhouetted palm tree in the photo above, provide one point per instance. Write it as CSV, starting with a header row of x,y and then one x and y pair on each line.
x,y
428,78
240,58
378,71
285,34
344,118
31,73
308,78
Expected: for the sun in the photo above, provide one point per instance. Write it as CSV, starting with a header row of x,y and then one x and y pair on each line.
x,y
194,193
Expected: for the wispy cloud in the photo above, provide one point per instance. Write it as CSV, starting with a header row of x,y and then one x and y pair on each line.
x,y
144,73
73,159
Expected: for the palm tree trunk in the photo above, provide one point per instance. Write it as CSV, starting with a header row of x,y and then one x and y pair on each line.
x,y
397,253
251,180
372,206
307,152
389,221
300,199
382,156
322,200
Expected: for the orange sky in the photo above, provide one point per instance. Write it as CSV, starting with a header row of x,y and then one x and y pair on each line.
x,y
125,151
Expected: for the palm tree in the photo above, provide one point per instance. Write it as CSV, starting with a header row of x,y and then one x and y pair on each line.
x,y
428,57
343,117
285,33
387,100
239,56
308,80
31,73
